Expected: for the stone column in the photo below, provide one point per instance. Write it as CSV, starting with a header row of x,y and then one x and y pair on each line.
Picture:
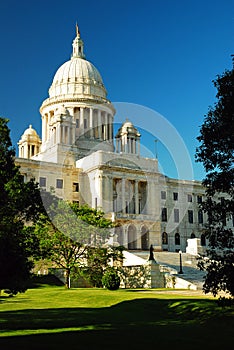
x,y
136,197
134,146
110,127
61,134
123,196
153,199
101,187
106,127
99,124
69,135
91,122
125,145
81,121
138,147
43,128
57,133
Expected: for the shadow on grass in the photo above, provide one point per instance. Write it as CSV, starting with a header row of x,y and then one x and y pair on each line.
x,y
44,280
139,321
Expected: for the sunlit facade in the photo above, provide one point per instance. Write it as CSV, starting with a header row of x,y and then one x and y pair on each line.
x,y
81,160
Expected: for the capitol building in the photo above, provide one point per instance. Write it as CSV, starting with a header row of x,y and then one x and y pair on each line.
x,y
81,160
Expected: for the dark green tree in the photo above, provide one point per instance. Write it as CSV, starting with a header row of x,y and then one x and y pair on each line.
x,y
98,259
216,152
111,279
20,203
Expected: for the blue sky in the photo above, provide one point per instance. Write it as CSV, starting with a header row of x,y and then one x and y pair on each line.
x,y
159,54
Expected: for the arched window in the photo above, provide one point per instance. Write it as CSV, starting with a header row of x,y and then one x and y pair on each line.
x,y
177,239
119,235
132,241
164,238
144,238
203,240
193,235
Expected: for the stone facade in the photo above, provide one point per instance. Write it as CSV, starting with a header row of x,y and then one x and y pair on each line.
x,y
79,159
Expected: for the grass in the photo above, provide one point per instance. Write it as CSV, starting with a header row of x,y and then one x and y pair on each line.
x,y
47,316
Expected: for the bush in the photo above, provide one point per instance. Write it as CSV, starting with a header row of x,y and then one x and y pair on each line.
x,y
111,279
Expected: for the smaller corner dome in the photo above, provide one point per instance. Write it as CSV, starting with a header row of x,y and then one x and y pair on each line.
x,y
30,133
127,124
128,128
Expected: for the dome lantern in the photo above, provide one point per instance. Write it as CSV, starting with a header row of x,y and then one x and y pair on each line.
x,y
78,45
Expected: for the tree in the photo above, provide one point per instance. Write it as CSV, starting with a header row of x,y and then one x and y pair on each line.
x,y
111,279
20,203
98,260
67,231
216,152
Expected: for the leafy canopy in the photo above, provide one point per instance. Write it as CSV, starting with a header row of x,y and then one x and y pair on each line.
x,y
216,152
20,202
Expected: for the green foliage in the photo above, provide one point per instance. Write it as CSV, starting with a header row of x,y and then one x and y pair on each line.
x,y
91,216
97,260
68,233
216,152
111,279
20,203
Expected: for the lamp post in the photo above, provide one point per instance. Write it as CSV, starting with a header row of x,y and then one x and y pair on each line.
x,y
181,271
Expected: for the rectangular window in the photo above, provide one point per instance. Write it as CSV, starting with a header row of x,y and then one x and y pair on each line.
x,y
59,183
175,196
190,198
199,199
75,187
176,215
140,205
126,207
200,217
42,181
77,123
190,216
85,123
163,194
164,214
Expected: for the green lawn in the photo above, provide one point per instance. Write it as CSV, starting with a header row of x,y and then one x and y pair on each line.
x,y
51,317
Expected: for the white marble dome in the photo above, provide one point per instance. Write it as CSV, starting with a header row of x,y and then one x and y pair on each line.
x,y
77,77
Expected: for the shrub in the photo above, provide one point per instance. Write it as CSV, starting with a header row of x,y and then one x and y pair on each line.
x,y
111,279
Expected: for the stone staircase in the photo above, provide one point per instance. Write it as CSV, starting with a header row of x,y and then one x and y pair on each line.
x,y
170,261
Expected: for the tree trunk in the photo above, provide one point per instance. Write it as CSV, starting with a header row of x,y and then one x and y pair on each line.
x,y
67,278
